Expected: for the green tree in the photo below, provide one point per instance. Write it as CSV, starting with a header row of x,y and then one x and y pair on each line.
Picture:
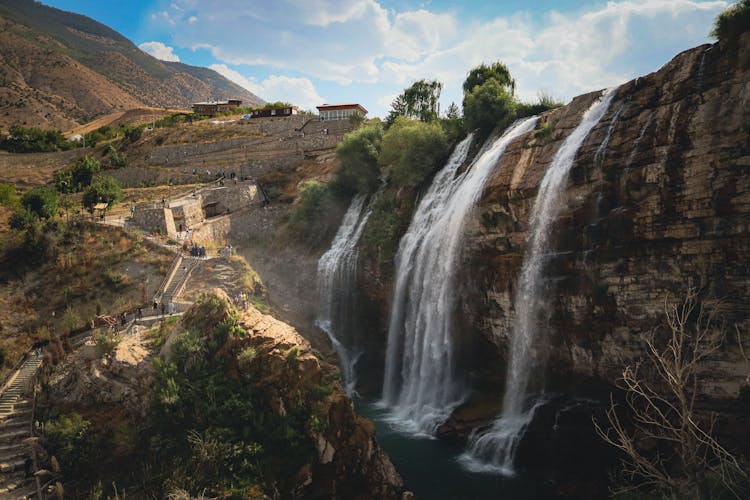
x,y
421,100
8,196
64,181
487,106
104,189
731,23
22,218
83,171
411,150
482,74
41,201
453,123
358,154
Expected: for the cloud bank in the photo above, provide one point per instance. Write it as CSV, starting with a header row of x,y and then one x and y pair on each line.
x,y
159,51
346,42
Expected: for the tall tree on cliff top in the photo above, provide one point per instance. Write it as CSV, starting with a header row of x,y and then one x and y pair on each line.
x,y
420,101
488,98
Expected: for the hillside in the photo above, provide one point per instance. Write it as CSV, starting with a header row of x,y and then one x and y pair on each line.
x,y
61,69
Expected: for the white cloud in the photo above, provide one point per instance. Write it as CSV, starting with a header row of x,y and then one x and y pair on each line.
x,y
349,42
159,51
298,91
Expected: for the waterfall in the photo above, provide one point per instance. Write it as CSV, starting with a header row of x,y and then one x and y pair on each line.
x,y
601,151
337,273
639,139
421,386
495,449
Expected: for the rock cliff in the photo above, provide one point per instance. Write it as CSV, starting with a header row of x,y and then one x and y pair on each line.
x,y
657,200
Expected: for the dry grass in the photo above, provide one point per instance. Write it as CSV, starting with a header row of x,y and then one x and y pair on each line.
x,y
97,269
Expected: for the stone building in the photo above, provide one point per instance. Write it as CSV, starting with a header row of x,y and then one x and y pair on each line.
x,y
175,216
331,112
213,107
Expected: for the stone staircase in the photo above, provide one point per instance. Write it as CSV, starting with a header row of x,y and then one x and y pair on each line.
x,y
16,415
174,286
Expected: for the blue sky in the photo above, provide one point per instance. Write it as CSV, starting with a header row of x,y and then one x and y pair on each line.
x,y
313,51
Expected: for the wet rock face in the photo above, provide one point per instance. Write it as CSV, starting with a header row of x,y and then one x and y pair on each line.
x,y
657,200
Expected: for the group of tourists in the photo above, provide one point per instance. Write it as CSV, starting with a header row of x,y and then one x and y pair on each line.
x,y
195,250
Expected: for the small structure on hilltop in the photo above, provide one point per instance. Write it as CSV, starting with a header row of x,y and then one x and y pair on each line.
x,y
212,108
273,111
331,112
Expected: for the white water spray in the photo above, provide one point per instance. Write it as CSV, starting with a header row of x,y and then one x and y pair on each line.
x,y
337,273
495,449
421,385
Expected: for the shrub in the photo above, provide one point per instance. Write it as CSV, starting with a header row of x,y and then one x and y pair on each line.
x,y
74,443
310,217
40,201
293,353
107,341
384,228
358,154
22,218
732,23
411,150
544,103
8,196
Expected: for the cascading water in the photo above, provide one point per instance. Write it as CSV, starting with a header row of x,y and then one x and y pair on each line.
x,y
337,272
601,151
494,450
421,386
639,139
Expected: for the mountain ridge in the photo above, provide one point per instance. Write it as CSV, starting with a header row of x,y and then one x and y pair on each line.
x,y
62,69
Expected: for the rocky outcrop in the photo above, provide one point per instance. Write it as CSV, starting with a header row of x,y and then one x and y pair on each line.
x,y
92,378
285,376
349,463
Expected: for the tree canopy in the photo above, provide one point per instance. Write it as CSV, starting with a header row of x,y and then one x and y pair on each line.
x,y
411,149
488,105
358,154
483,73
731,23
421,100
41,201
103,189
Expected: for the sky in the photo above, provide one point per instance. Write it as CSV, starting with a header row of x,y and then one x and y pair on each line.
x,y
310,52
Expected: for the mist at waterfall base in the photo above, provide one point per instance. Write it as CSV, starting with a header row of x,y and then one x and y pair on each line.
x,y
495,449
421,386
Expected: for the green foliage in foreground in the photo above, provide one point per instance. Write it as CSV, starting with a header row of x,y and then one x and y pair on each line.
x,y
216,433
411,150
732,23
74,443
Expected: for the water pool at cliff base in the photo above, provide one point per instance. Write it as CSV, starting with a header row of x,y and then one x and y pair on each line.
x,y
430,467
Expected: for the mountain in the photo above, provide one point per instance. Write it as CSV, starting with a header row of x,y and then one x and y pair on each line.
x,y
60,69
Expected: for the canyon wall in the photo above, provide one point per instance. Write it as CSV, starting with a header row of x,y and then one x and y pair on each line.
x,y
658,200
